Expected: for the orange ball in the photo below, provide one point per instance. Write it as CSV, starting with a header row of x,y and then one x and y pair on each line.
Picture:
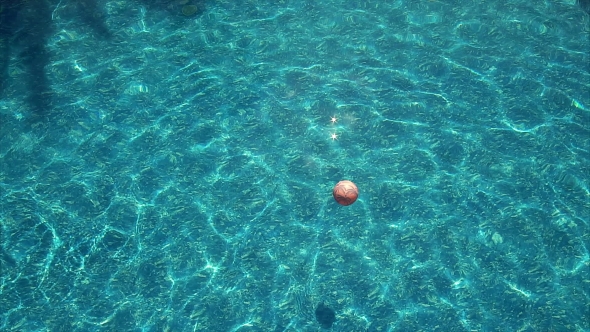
x,y
345,192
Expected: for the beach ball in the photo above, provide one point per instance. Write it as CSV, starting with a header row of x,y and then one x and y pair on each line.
x,y
345,192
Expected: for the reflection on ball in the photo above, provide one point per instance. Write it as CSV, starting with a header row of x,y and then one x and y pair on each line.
x,y
345,192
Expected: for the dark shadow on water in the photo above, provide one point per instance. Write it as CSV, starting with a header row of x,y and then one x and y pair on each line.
x,y
91,14
7,27
26,26
585,5
325,316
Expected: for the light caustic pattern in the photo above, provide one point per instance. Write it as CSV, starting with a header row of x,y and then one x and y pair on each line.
x,y
183,179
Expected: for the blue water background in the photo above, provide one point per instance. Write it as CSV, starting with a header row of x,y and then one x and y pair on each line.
x,y
180,176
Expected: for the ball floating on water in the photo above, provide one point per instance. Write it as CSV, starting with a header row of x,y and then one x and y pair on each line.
x,y
345,192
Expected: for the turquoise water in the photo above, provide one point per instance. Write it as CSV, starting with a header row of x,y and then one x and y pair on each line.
x,y
170,170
